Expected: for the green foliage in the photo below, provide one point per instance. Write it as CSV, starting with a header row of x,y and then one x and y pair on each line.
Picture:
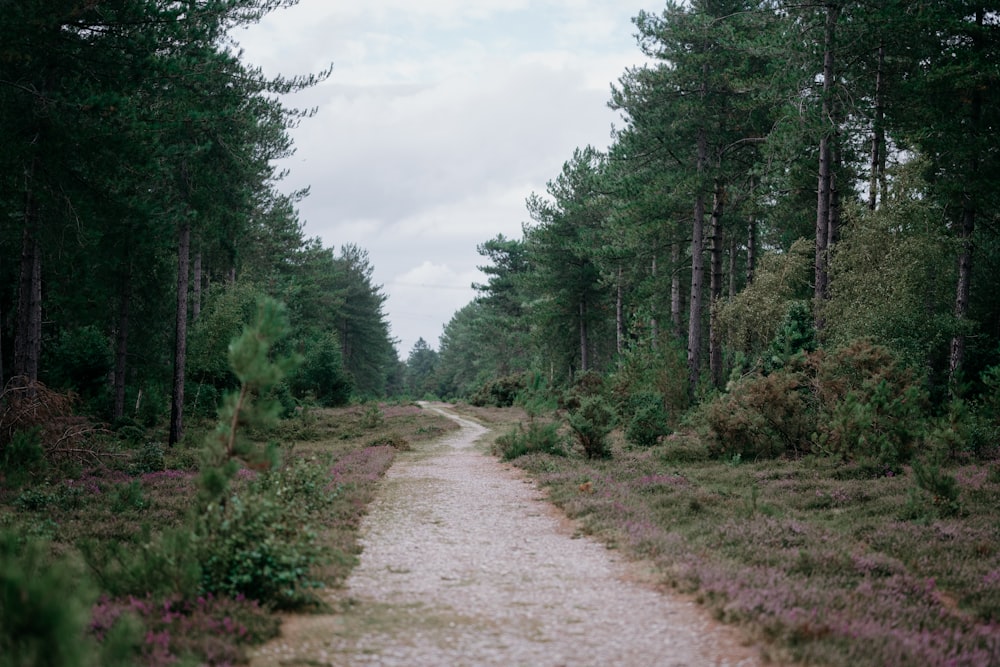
x,y
646,419
936,489
649,369
753,319
44,612
321,375
22,457
539,437
855,402
251,361
500,392
80,360
760,417
796,334
372,416
260,543
591,423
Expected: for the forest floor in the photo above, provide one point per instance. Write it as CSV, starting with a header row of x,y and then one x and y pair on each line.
x,y
466,563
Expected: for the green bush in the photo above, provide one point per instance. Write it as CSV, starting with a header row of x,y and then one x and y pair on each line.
x,y
322,373
646,419
543,438
761,417
500,392
45,610
591,423
260,542
22,456
80,360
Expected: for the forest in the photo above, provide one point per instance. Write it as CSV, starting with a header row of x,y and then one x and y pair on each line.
x,y
769,305
797,216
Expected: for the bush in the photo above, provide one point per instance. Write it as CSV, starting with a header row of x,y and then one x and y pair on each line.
x,y
761,417
322,373
646,419
537,438
591,423
500,392
259,543
44,612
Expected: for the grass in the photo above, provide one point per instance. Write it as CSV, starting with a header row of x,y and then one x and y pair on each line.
x,y
829,563
102,515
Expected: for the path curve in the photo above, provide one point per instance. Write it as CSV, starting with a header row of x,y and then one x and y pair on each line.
x,y
465,564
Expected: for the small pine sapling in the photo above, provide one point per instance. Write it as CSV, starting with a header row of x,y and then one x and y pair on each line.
x,y
250,356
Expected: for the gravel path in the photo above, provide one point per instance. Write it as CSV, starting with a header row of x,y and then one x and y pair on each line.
x,y
464,564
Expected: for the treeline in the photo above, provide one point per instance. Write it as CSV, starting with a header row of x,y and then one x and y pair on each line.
x,y
788,180
142,218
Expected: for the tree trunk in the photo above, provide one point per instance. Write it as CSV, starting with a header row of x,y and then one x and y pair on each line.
x,y
676,299
715,285
620,315
733,249
877,183
584,342
180,335
825,181
956,358
654,323
751,238
28,332
196,288
962,292
697,272
121,347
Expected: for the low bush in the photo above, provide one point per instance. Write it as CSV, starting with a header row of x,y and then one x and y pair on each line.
x,y
500,392
539,437
646,419
591,423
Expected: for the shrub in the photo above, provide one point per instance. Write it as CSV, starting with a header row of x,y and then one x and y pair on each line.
x,y
260,543
761,417
44,611
591,424
869,405
539,437
646,419
322,373
500,392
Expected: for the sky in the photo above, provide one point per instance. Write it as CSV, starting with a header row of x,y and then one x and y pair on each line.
x,y
439,119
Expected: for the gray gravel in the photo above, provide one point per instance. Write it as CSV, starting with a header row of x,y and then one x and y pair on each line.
x,y
465,564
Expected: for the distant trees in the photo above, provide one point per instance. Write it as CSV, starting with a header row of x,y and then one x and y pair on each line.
x,y
139,175
860,134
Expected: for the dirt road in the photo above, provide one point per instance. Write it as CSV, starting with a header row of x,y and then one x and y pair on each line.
x,y
465,564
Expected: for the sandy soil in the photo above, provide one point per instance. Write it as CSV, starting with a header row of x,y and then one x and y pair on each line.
x,y
465,564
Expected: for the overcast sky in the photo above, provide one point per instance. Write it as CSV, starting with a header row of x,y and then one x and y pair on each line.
x,y
440,118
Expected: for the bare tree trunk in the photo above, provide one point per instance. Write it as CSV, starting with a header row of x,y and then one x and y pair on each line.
x,y
877,183
28,332
962,292
733,249
620,315
121,347
752,238
654,323
196,288
956,358
180,339
825,182
697,272
584,342
676,299
715,285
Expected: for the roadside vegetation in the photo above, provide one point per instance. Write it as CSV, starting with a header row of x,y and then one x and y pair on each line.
x,y
850,530
120,551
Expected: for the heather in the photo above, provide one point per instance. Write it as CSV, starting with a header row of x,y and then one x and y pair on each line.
x,y
831,563
107,555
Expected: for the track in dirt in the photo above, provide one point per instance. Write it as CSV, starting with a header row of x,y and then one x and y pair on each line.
x,y
464,564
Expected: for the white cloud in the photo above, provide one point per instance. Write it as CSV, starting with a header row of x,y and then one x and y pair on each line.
x,y
439,119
